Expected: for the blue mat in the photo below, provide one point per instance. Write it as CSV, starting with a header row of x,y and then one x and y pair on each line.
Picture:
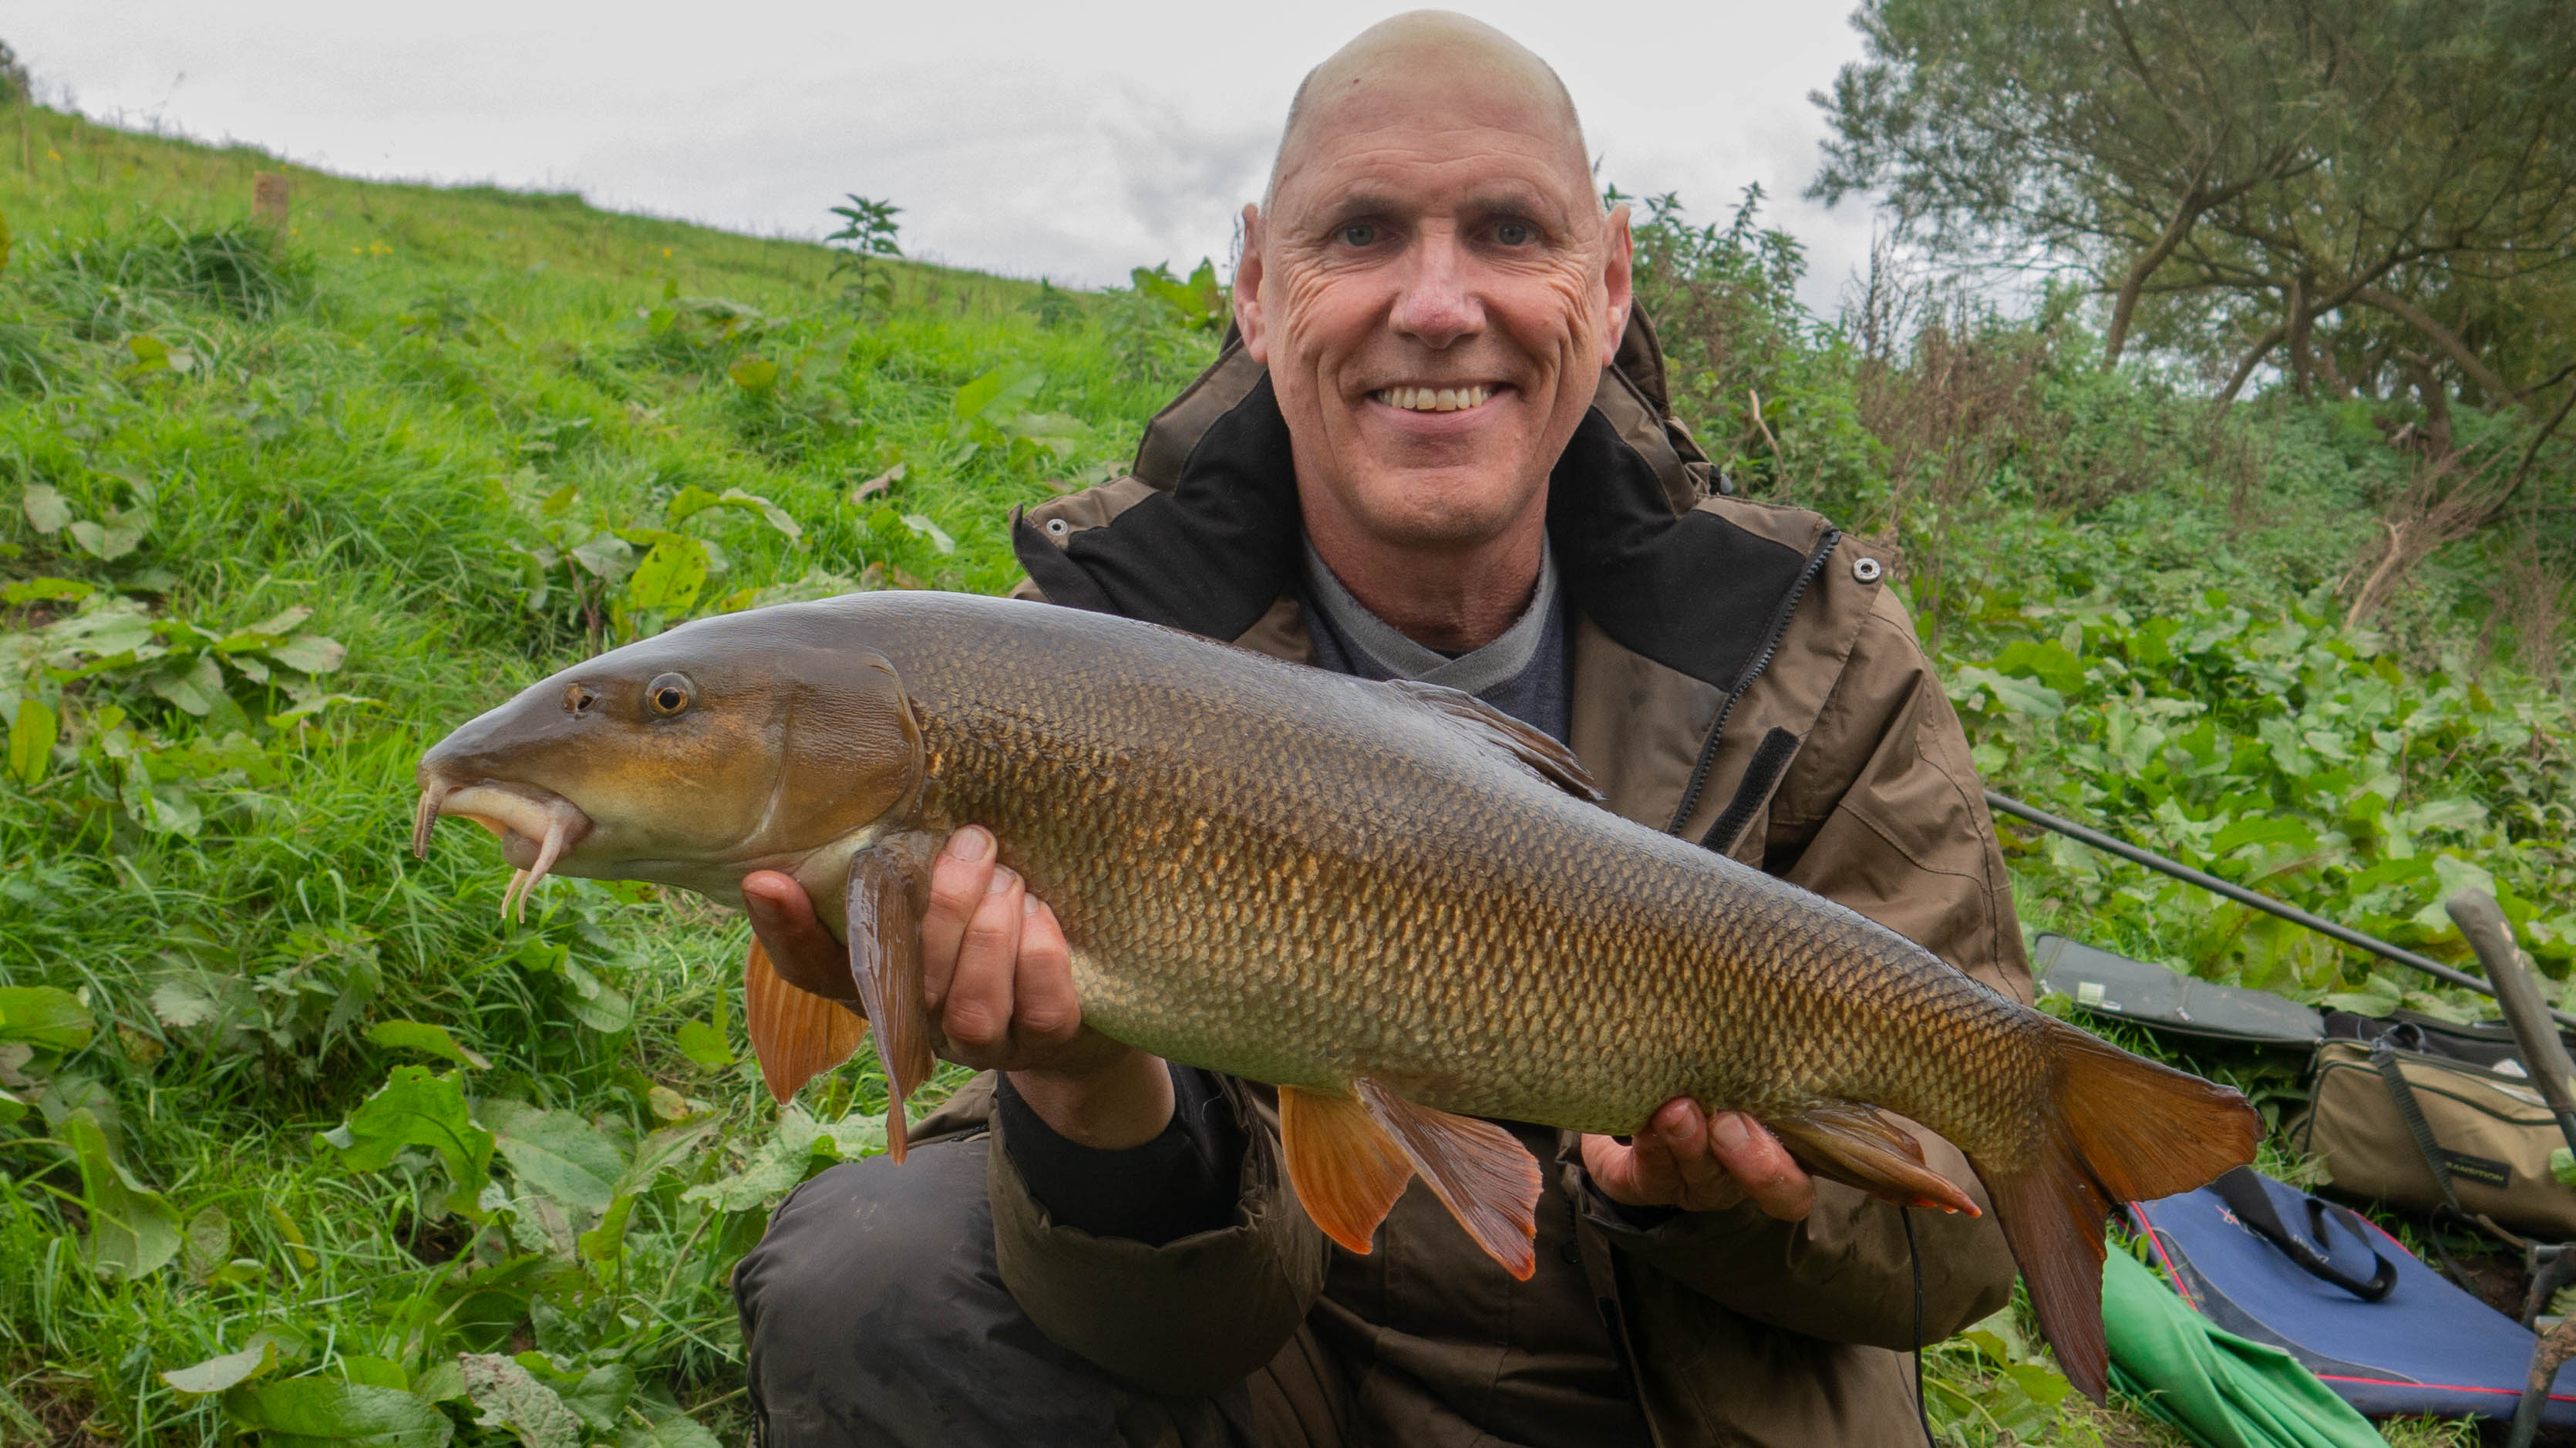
x,y
2427,1347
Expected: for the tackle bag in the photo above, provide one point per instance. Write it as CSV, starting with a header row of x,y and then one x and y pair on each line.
x,y
2386,1333
2417,1129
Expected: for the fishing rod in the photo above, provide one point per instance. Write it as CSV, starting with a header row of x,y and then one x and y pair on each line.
x,y
2243,896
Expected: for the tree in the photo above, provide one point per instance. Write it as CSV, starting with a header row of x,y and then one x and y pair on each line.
x,y
2382,192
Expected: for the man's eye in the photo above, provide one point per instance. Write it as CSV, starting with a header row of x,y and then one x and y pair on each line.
x,y
1515,233
1359,233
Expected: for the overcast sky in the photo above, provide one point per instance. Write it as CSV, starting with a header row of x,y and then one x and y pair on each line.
x,y
1071,141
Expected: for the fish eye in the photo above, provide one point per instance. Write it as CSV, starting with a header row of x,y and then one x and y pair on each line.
x,y
668,694
577,700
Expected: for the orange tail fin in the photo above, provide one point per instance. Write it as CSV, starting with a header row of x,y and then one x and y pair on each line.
x,y
797,1035
2120,1129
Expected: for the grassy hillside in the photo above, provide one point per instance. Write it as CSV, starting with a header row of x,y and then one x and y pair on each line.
x,y
300,1136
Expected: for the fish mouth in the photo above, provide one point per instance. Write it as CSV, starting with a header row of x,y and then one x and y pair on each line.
x,y
535,826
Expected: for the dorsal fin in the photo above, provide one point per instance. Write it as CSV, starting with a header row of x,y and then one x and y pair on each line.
x,y
1533,750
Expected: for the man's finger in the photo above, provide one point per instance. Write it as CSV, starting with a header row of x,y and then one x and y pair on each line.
x,y
1045,1011
1701,1182
957,887
804,954
977,1014
1761,1166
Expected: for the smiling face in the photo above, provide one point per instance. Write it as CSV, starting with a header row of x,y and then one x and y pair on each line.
x,y
1433,286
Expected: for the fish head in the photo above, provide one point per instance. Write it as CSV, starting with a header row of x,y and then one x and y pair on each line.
x,y
693,758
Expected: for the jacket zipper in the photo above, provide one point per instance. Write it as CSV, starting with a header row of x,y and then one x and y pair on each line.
x,y
1752,671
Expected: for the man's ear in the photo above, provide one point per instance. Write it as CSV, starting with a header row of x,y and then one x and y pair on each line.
x,y
1247,291
1618,249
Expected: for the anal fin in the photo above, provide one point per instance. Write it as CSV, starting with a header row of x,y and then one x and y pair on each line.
x,y
1857,1146
797,1034
889,888
1345,1170
1480,1172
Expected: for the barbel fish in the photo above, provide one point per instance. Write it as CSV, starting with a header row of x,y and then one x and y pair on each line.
x,y
1405,910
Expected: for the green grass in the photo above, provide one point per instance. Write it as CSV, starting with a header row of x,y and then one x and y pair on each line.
x,y
405,416
278,511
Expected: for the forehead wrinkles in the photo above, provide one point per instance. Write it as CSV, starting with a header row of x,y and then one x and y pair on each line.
x,y
1411,171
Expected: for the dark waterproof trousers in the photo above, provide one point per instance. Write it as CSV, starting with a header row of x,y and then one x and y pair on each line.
x,y
873,1314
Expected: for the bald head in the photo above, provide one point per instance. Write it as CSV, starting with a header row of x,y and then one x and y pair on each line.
x,y
1434,58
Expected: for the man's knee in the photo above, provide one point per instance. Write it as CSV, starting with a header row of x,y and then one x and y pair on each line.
x,y
869,1247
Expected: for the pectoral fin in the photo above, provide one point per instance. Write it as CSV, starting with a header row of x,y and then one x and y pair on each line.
x,y
889,889
797,1034
1855,1145
1480,1172
1345,1170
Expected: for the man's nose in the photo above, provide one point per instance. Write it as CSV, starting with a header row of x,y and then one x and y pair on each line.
x,y
1437,304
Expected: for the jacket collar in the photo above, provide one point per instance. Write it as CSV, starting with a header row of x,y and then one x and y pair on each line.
x,y
1691,592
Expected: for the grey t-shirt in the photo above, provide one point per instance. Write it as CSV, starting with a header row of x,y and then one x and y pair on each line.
x,y
1524,673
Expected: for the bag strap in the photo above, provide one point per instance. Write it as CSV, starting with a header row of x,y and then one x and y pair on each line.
x,y
2242,1190
2383,1059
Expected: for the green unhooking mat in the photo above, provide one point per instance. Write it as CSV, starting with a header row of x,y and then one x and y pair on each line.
x,y
2221,1390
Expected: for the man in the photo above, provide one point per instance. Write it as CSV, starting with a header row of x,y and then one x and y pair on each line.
x,y
1438,451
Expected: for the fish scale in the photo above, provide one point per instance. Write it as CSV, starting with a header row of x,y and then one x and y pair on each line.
x,y
1399,907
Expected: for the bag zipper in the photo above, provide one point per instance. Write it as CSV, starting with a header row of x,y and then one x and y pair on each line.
x,y
1752,671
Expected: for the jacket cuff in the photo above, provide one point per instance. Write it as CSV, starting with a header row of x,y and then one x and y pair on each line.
x,y
1191,1316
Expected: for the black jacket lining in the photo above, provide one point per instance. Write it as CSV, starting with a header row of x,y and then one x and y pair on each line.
x,y
1212,555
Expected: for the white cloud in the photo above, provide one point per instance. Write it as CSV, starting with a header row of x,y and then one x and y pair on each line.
x,y
1068,141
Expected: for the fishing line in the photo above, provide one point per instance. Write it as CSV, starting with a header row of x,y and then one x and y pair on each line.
x,y
1922,1415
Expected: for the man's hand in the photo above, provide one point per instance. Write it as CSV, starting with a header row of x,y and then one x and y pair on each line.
x,y
998,978
1700,1162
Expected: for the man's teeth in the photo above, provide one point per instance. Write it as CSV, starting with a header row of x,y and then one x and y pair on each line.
x,y
1433,399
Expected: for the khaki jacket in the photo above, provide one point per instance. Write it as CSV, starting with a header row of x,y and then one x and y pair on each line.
x,y
1839,766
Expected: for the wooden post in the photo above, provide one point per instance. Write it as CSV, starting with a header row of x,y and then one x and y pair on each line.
x,y
268,200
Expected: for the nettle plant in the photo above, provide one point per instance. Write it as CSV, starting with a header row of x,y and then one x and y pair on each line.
x,y
622,581
112,704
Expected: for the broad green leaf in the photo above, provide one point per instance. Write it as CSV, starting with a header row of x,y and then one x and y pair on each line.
x,y
427,1039
677,1431
2050,663
209,1242
194,687
595,1003
606,1243
666,1150
556,1152
2263,830
311,653
306,708
596,1397
416,1107
107,542
13,1108
922,527
670,576
132,1231
688,503
607,557
283,623
232,1369
46,511
774,515
975,396
31,741
37,590
510,1398
46,1016
310,1412
753,374
374,1372
705,1045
